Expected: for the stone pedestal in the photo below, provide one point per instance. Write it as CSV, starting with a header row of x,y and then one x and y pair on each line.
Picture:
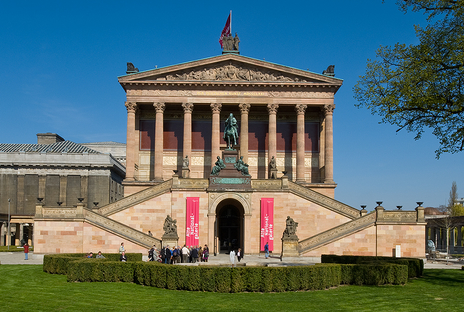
x,y
169,240
185,173
290,247
229,178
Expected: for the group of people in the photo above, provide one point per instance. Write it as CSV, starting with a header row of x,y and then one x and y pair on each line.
x,y
177,254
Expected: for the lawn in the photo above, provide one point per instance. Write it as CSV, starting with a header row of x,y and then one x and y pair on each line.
x,y
27,288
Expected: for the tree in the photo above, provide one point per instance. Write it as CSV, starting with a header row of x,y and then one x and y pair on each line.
x,y
419,87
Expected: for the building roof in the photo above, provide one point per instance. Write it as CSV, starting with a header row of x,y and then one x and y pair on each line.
x,y
56,148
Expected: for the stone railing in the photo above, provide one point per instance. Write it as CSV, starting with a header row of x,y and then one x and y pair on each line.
x,y
200,184
397,216
266,184
135,198
98,220
121,230
336,233
324,201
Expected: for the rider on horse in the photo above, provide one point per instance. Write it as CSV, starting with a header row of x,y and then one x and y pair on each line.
x,y
231,130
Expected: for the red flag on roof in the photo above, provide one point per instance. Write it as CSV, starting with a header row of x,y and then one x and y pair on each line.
x,y
227,29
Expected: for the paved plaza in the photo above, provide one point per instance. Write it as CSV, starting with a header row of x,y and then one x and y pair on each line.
x,y
250,260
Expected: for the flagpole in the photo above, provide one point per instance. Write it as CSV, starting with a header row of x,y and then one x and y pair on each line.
x,y
231,22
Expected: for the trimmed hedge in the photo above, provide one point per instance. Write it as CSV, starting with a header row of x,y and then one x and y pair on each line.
x,y
223,278
415,266
58,263
14,249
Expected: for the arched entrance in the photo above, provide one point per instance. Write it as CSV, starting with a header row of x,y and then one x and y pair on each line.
x,y
229,226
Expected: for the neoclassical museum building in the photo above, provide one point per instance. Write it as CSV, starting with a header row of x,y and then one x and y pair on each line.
x,y
176,119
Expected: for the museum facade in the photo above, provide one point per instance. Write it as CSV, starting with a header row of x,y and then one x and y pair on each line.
x,y
178,164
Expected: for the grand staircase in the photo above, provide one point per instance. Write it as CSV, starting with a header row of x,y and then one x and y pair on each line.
x,y
336,233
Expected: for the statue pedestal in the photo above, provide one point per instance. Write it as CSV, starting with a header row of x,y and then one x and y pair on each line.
x,y
290,246
229,178
169,240
185,173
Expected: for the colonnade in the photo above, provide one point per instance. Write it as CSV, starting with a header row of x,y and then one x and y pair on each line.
x,y
133,139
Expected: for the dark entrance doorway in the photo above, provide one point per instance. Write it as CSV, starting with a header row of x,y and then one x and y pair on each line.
x,y
229,220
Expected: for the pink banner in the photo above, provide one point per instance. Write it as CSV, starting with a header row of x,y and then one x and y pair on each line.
x,y
192,220
267,223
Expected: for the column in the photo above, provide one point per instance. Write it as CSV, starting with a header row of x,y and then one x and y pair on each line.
x,y
159,132
17,234
244,110
187,146
42,182
300,142
20,192
29,235
131,143
272,131
215,132
328,110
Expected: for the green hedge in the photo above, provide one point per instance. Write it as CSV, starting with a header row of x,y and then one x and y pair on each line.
x,y
14,249
58,263
415,266
222,278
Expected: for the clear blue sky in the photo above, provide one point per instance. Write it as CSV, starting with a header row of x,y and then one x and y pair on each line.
x,y
61,59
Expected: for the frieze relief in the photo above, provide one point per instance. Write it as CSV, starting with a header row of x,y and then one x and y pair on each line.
x,y
234,73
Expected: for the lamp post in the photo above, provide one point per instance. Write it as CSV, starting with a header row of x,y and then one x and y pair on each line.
x,y
9,234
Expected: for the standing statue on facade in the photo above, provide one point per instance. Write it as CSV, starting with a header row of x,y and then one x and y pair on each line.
x,y
185,162
219,165
170,226
231,131
241,166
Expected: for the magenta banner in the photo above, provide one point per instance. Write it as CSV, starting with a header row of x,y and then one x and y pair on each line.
x,y
267,223
191,228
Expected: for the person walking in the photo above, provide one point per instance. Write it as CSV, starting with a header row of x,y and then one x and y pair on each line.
x,y
266,250
121,249
232,257
239,254
26,251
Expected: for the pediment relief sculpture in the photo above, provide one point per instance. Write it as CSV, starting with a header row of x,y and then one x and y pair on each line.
x,y
234,73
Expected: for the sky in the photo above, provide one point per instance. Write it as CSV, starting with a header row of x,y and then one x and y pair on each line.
x,y
61,60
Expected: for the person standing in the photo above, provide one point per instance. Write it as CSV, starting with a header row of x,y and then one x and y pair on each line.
x,y
205,254
121,249
26,251
232,257
194,254
239,254
185,254
123,257
167,255
266,250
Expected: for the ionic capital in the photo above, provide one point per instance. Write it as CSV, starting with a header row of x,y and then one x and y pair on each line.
x,y
216,107
328,109
131,107
272,108
244,108
188,107
159,107
301,108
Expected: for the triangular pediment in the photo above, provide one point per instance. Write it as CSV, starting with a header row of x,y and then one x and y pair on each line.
x,y
228,68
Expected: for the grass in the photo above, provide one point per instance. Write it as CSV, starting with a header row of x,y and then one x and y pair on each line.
x,y
28,288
